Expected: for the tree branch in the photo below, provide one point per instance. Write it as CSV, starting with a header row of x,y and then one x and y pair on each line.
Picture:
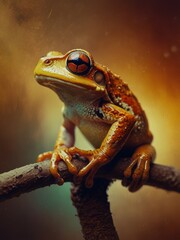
x,y
37,175
93,210
92,204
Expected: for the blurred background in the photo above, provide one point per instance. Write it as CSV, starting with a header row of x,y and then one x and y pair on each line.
x,y
140,41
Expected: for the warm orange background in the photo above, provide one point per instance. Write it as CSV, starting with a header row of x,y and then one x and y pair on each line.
x,y
140,40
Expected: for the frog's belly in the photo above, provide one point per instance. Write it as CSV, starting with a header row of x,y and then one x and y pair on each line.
x,y
95,132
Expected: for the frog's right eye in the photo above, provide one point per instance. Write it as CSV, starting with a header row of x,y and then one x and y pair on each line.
x,y
78,62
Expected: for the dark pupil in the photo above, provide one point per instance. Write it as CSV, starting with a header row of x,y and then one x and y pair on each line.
x,y
78,63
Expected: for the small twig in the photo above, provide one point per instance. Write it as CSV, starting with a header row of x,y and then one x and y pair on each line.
x,y
37,175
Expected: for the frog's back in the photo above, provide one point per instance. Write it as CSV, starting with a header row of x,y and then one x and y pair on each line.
x,y
122,96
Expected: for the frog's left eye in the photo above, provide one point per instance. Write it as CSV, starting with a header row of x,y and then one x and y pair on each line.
x,y
79,63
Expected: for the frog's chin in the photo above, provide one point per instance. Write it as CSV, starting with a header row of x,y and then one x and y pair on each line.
x,y
60,84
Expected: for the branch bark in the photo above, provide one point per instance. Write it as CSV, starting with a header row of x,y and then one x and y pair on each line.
x,y
94,210
92,204
37,175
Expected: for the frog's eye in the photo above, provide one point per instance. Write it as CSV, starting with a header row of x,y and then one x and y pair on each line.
x,y
79,63
99,77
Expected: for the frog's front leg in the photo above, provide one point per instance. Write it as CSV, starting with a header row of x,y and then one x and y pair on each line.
x,y
61,153
121,126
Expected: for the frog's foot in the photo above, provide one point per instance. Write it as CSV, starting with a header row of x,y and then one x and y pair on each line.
x,y
60,153
96,159
141,160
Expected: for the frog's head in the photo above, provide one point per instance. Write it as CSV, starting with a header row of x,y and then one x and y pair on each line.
x,y
74,73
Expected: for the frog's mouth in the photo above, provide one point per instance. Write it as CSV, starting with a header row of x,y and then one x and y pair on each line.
x,y
56,83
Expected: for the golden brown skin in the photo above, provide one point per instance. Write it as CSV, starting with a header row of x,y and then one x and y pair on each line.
x,y
103,107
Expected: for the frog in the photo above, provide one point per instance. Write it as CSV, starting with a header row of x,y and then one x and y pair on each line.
x,y
102,106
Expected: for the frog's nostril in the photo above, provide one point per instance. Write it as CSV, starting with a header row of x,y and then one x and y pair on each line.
x,y
47,61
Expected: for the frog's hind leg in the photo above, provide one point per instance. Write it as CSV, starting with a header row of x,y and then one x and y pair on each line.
x,y
61,151
139,167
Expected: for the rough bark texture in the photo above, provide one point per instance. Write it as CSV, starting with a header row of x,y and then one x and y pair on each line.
x,y
92,204
94,211
37,175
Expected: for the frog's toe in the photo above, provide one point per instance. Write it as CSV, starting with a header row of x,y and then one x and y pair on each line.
x,y
128,173
125,182
84,170
135,180
55,159
145,174
89,167
61,153
140,175
54,171
53,164
135,185
44,156
129,169
90,178
71,167
60,181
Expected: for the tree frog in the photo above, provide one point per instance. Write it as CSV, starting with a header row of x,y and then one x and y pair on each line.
x,y
105,110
